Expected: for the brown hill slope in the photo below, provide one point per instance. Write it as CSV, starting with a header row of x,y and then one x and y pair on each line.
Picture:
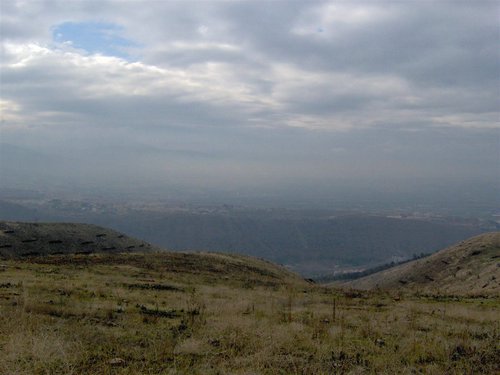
x,y
86,245
472,267
204,268
18,239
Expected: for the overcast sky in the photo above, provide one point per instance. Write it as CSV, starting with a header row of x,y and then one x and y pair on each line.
x,y
254,94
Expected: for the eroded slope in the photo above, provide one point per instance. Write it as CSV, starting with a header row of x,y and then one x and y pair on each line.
x,y
472,267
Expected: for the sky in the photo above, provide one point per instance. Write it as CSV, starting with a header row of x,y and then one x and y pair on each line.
x,y
314,97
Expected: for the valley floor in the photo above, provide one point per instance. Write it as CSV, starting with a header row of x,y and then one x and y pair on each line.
x,y
130,314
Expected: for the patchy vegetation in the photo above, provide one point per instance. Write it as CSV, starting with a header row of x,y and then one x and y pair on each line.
x,y
346,276
469,268
170,313
18,239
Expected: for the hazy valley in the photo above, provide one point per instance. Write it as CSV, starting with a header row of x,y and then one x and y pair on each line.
x,y
313,242
249,187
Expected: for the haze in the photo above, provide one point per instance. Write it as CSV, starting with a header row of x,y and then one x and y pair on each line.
x,y
312,100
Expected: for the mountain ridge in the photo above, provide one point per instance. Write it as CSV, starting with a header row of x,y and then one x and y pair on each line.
x,y
78,243
21,239
470,267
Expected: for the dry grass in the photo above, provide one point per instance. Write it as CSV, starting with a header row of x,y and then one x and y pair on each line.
x,y
468,268
129,314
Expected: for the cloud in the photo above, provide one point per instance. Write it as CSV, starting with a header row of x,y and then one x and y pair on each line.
x,y
262,91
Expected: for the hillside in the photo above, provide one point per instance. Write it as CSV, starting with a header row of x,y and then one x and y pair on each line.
x,y
110,312
310,245
19,239
471,267
312,242
199,313
70,243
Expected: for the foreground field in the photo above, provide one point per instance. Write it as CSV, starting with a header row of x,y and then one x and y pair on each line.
x,y
220,314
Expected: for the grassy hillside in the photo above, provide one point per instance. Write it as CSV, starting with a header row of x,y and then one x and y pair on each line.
x,y
19,239
471,267
204,313
170,313
311,242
